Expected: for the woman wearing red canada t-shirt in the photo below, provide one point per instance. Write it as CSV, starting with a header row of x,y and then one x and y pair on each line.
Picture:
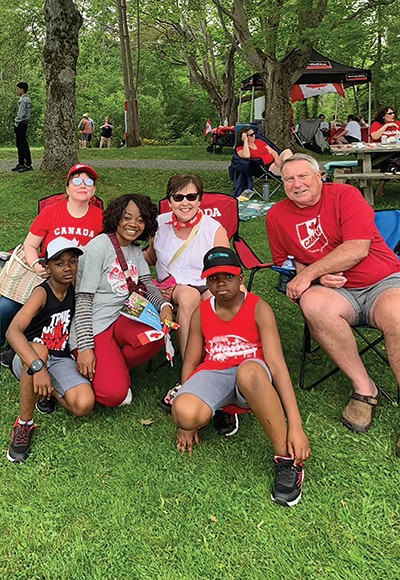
x,y
74,218
385,124
249,147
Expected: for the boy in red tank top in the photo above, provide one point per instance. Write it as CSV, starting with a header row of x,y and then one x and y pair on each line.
x,y
233,352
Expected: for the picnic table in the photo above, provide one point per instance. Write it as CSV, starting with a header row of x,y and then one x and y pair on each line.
x,y
363,174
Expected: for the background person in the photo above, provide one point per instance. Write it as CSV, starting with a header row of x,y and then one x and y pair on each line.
x,y
351,132
106,341
74,218
106,133
324,125
249,147
91,131
21,129
84,127
387,126
346,274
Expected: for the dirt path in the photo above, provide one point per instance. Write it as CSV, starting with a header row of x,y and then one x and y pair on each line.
x,y
175,165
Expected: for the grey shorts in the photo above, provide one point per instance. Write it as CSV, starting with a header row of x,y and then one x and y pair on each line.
x,y
362,299
62,370
218,388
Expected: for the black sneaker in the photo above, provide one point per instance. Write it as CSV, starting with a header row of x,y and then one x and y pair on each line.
x,y
6,358
21,442
46,406
225,423
17,167
25,168
288,481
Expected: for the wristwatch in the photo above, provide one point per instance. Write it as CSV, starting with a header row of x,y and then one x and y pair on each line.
x,y
36,366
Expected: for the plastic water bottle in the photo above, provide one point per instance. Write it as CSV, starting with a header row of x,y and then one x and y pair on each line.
x,y
266,191
398,137
289,264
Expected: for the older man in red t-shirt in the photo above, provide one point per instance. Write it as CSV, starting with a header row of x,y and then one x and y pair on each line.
x,y
346,274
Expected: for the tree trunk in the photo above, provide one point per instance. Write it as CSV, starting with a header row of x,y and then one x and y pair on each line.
x,y
277,103
133,135
61,51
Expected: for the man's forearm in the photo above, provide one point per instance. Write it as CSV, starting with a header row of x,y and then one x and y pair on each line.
x,y
341,259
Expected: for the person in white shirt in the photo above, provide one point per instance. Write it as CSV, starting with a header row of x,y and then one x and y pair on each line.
x,y
351,133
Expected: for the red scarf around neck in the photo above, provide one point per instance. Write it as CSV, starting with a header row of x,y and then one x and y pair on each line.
x,y
190,224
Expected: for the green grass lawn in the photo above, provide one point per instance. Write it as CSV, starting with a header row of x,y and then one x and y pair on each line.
x,y
107,497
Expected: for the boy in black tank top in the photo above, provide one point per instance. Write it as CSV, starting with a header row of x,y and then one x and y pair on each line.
x,y
39,336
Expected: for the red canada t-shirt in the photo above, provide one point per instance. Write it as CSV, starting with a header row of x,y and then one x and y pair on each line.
x,y
309,234
390,131
55,220
261,152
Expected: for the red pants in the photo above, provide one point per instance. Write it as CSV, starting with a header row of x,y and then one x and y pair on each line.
x,y
117,350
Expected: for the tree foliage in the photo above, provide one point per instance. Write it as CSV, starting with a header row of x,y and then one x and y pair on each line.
x,y
183,40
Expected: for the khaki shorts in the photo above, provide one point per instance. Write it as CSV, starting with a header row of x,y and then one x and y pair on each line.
x,y
362,299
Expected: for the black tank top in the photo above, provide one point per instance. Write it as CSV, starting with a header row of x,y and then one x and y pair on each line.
x,y
51,325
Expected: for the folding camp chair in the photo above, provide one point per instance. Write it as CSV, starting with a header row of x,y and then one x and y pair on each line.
x,y
388,224
247,174
310,136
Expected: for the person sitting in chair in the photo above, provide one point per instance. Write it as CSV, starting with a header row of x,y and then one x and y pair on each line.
x,y
249,147
346,274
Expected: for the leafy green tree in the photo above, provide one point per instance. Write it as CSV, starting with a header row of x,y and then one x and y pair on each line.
x,y
275,38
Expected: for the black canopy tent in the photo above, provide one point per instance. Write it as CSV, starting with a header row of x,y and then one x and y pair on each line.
x,y
320,69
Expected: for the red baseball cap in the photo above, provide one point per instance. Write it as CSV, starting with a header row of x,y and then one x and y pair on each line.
x,y
82,168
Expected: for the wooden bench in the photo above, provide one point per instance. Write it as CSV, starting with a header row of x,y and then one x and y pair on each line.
x,y
343,177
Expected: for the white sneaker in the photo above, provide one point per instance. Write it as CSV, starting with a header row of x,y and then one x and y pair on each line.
x,y
127,400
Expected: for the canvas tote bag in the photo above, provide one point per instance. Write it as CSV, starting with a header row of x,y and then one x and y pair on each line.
x,y
17,279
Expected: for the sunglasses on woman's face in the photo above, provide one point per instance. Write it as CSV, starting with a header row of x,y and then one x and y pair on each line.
x,y
79,180
178,197
250,134
390,113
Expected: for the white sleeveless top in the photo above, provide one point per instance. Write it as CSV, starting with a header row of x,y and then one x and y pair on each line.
x,y
188,266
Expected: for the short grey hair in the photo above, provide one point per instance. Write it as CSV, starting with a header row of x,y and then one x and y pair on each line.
x,y
302,157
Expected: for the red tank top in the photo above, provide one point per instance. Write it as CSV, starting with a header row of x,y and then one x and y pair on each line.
x,y
230,342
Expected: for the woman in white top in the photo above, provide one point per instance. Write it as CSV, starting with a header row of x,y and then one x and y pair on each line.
x,y
351,133
184,192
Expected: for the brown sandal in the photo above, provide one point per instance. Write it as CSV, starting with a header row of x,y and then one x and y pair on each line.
x,y
358,414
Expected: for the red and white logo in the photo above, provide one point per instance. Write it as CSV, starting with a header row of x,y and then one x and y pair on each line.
x,y
311,235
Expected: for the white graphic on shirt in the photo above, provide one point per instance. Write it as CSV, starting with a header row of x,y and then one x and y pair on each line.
x,y
73,231
55,335
222,348
311,235
117,278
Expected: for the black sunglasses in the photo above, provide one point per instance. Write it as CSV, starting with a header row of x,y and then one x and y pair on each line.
x,y
250,134
390,113
178,197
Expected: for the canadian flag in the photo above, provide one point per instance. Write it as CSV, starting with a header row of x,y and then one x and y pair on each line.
x,y
208,128
301,92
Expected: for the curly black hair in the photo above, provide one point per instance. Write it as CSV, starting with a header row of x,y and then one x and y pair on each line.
x,y
115,210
